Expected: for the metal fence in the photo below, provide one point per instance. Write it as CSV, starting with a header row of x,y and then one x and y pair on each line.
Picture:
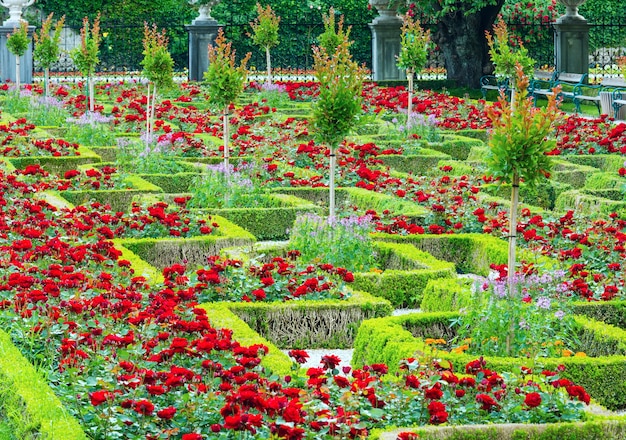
x,y
121,47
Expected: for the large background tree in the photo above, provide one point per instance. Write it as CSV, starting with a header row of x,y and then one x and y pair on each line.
x,y
460,35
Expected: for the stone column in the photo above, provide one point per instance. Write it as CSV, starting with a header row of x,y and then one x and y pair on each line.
x,y
571,40
386,37
7,59
201,34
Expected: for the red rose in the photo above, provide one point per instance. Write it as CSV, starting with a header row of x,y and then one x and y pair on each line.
x,y
166,413
144,407
532,400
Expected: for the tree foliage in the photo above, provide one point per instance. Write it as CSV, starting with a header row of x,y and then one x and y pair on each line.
x,y
505,58
224,78
334,34
339,101
157,63
265,27
519,140
17,41
414,45
47,42
85,56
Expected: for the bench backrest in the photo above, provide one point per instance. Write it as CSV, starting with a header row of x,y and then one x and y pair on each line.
x,y
575,78
613,82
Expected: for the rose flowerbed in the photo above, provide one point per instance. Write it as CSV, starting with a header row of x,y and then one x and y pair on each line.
x,y
132,357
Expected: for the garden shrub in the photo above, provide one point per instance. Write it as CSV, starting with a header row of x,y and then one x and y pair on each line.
x,y
166,252
391,339
586,204
30,405
420,163
457,146
403,288
572,174
311,324
446,295
470,253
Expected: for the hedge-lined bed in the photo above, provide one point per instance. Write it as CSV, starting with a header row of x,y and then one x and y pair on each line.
x,y
389,340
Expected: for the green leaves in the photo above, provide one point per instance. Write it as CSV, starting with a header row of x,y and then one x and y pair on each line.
x,y
47,46
519,141
265,27
413,46
224,78
158,65
17,42
85,56
502,54
339,102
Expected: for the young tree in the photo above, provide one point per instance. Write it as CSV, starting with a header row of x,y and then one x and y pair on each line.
x,y
17,43
339,103
225,80
413,54
158,68
505,58
333,35
47,47
85,56
265,33
518,146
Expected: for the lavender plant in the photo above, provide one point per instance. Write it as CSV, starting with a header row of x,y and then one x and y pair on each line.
x,y
533,320
91,129
341,241
47,111
148,155
226,186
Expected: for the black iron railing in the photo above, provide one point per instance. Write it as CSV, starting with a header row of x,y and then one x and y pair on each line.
x,y
121,48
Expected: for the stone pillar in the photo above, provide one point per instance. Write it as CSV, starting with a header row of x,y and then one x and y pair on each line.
x,y
7,59
201,34
386,37
571,44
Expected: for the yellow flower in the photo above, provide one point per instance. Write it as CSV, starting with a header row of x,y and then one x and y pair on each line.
x,y
580,354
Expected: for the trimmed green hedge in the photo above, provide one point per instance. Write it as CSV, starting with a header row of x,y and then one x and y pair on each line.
x,y
404,288
58,165
418,164
389,340
221,316
311,324
589,430
270,223
119,199
612,312
610,163
471,253
447,295
361,197
163,252
572,174
30,406
543,195
456,145
587,204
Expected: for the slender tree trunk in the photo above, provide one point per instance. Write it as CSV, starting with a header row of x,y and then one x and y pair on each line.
x,y
92,98
152,111
409,109
513,232
46,81
269,65
17,72
513,97
462,41
148,116
226,136
331,184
